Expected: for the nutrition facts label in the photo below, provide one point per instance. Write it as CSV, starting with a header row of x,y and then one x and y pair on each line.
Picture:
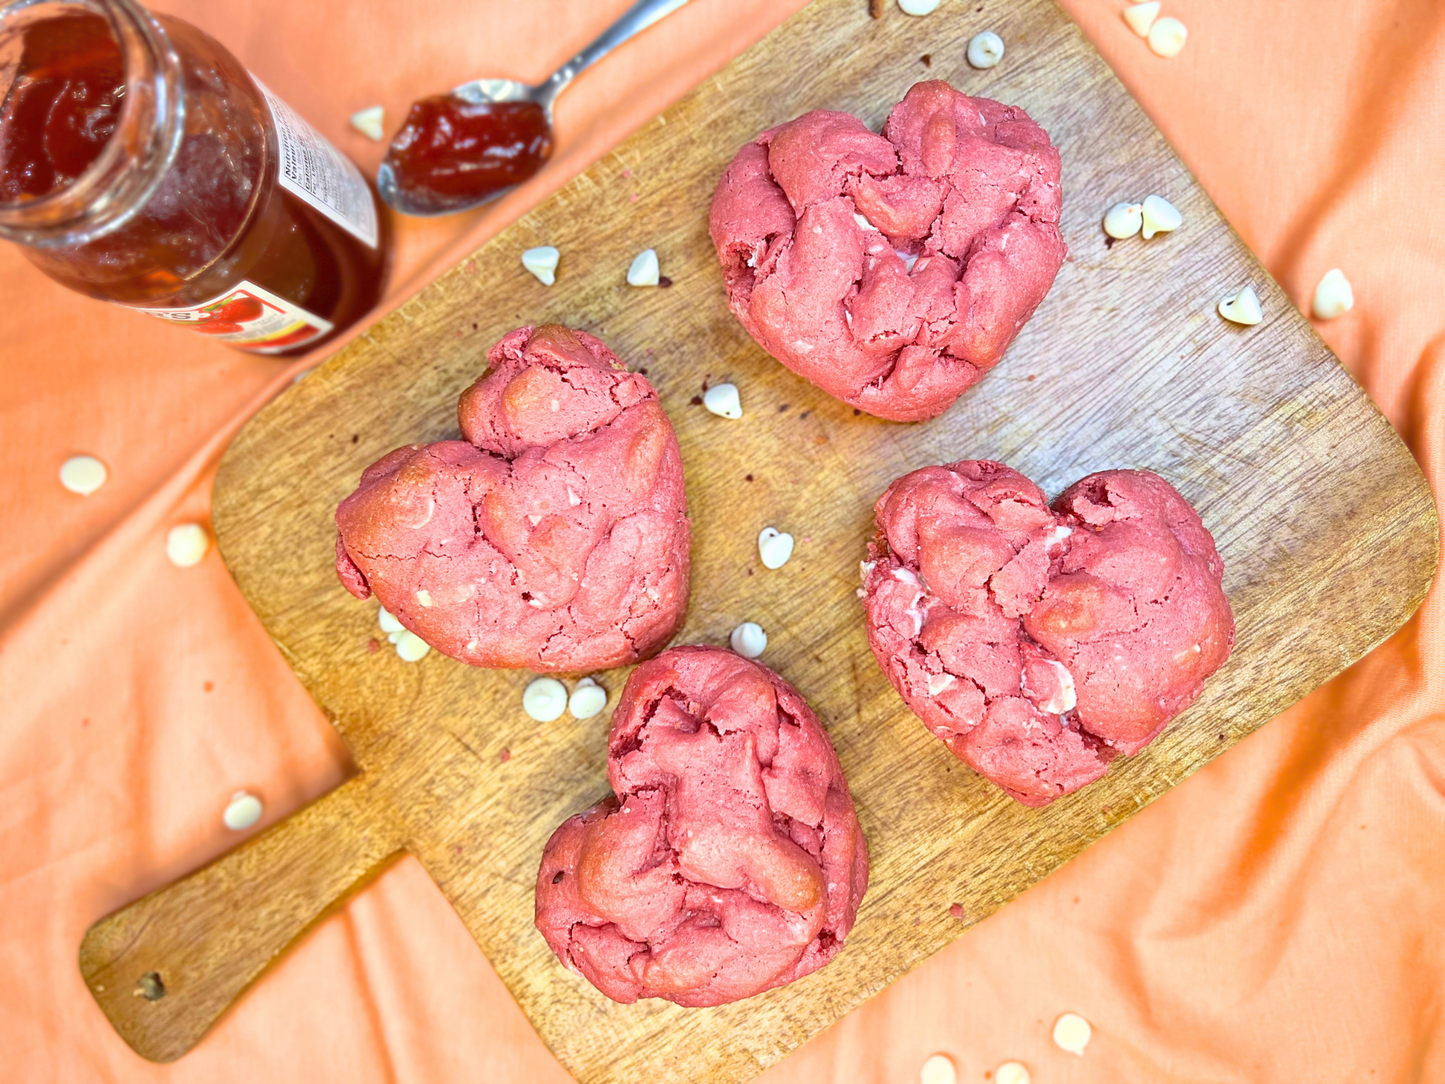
x,y
315,171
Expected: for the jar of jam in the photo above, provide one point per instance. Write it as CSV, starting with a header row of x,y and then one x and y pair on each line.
x,y
140,163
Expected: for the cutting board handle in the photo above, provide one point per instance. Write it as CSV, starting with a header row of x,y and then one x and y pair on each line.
x,y
167,966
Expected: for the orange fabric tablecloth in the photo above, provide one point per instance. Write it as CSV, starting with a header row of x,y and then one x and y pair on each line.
x,y
1278,916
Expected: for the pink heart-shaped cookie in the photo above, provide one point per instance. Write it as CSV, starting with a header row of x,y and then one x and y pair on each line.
x,y
554,537
892,270
1039,643
730,860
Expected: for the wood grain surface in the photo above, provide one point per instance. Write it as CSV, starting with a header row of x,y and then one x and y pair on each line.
x,y
1327,530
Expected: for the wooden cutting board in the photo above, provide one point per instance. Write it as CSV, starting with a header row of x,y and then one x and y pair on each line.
x,y
1327,530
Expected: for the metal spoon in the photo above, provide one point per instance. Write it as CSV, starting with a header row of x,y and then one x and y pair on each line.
x,y
636,19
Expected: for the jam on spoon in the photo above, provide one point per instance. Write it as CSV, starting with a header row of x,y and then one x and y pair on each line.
x,y
458,150
456,153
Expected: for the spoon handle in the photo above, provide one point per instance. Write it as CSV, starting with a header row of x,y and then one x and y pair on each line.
x,y
634,20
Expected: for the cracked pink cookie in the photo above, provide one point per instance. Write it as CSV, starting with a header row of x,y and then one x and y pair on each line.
x,y
554,537
730,860
892,270
1039,643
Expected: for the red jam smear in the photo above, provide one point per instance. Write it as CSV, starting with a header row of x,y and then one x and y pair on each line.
x,y
61,113
452,152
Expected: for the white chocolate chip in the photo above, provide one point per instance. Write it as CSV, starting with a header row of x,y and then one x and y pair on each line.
x,y
1123,220
1242,308
587,699
985,50
1167,37
545,699
1011,1072
774,547
1334,296
186,544
644,270
863,223
409,646
423,598
83,474
937,683
1067,698
542,262
724,401
243,811
387,622
1140,17
918,7
1072,1033
370,122
1060,533
749,640
938,1069
1160,216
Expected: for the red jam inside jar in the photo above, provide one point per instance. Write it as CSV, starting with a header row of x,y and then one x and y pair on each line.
x,y
60,116
218,242
453,153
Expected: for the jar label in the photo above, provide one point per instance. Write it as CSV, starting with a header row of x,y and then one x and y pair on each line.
x,y
314,171
251,317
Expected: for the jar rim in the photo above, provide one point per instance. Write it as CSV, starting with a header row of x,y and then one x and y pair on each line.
x,y
113,188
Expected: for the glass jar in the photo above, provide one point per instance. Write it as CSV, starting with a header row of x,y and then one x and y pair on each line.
x,y
140,163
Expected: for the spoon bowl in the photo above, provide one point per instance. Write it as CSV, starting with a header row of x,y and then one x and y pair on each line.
x,y
423,204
